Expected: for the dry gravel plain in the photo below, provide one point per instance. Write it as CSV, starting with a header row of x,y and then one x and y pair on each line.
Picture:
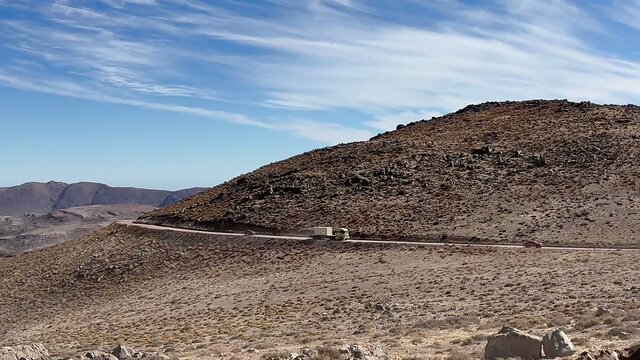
x,y
200,296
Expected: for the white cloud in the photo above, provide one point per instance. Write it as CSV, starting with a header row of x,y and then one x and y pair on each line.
x,y
626,12
391,67
122,3
319,55
321,132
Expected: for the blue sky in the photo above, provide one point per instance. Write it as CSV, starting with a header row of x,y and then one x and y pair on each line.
x,y
180,93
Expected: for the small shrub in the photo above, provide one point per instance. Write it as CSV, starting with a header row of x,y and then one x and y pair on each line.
x,y
452,322
477,338
275,355
584,322
326,353
457,354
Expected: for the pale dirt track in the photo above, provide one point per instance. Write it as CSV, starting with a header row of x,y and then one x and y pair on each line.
x,y
502,246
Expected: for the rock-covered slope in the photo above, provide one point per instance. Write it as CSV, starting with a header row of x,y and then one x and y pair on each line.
x,y
42,198
556,171
179,195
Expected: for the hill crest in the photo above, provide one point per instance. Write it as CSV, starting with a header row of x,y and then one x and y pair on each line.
x,y
556,171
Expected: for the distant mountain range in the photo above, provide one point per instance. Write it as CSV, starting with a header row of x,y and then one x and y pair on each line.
x,y
42,198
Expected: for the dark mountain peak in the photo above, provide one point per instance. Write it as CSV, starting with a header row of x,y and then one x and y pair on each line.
x,y
42,198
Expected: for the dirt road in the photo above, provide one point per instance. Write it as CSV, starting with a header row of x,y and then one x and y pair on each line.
x,y
503,246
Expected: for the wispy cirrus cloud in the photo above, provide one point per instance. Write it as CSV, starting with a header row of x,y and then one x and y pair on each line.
x,y
301,58
71,89
626,12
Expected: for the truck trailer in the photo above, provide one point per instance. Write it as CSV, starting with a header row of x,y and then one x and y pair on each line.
x,y
329,233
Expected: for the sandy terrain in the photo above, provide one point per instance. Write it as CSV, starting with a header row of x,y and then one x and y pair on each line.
x,y
198,295
19,234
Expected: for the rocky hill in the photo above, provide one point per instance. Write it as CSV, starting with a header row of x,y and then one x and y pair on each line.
x,y
556,171
42,198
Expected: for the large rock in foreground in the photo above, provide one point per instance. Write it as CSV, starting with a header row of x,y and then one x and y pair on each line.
x,y
511,342
557,344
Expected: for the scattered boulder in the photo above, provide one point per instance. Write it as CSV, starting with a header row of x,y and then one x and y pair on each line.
x,y
359,179
511,342
557,344
384,307
601,355
310,353
27,352
98,355
632,353
348,352
538,160
484,150
603,310
122,352
357,352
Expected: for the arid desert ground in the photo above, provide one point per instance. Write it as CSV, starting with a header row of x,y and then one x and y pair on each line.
x,y
196,295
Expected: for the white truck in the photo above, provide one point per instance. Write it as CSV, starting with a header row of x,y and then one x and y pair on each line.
x,y
326,232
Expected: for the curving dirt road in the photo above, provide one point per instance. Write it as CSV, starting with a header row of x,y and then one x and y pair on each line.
x,y
503,246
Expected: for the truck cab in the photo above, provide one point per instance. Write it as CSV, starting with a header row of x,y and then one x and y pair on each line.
x,y
342,234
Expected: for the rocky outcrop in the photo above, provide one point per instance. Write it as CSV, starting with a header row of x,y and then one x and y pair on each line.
x,y
600,355
631,353
97,355
356,352
27,352
122,352
347,352
40,352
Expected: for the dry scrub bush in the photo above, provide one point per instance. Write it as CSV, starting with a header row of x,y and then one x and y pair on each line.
x,y
275,355
477,338
326,353
452,322
457,354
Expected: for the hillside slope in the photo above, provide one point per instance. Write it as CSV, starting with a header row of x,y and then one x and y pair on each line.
x,y
556,171
179,195
201,296
42,198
